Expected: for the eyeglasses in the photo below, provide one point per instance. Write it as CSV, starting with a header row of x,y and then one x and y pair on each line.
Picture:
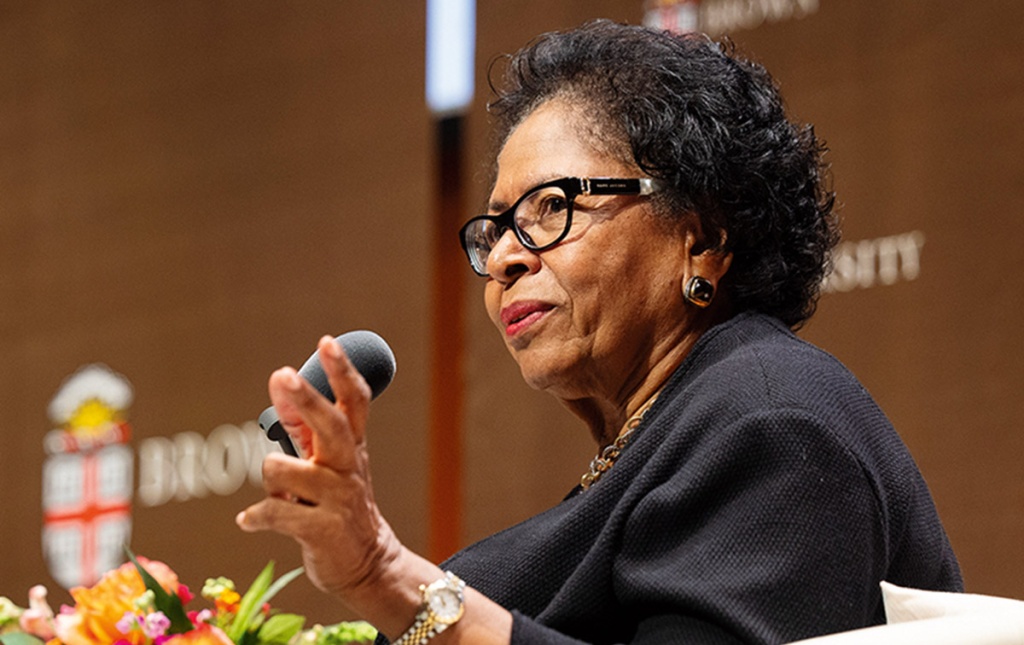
x,y
542,217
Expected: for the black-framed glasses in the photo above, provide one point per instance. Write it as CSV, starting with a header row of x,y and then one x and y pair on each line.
x,y
542,217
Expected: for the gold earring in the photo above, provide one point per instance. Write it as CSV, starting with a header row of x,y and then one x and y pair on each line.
x,y
699,291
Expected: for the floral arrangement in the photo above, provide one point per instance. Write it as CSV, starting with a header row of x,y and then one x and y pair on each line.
x,y
143,603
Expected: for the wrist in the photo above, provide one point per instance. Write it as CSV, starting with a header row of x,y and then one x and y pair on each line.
x,y
443,604
391,599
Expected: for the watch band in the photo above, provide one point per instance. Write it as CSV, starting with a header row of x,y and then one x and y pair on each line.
x,y
421,631
449,591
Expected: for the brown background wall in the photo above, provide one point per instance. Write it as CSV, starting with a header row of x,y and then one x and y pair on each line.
x,y
193,192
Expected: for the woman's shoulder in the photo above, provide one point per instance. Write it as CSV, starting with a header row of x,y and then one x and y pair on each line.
x,y
758,358
752,369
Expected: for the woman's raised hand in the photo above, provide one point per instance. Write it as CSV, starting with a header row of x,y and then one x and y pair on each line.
x,y
325,501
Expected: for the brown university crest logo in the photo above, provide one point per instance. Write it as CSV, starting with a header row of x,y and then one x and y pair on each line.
x,y
87,477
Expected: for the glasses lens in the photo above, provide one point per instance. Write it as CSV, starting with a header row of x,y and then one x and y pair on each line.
x,y
480,237
542,217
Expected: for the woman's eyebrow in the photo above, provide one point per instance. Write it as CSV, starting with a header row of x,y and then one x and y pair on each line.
x,y
497,206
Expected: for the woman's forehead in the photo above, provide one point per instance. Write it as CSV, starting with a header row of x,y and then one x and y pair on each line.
x,y
550,143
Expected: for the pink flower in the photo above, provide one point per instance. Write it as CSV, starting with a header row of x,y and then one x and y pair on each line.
x,y
155,624
127,623
38,618
185,594
199,617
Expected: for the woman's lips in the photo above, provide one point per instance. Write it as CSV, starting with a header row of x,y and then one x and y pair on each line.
x,y
520,315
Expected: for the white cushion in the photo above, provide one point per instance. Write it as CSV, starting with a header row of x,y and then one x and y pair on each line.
x,y
938,618
903,604
977,629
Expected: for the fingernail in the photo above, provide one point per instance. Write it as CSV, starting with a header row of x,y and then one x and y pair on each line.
x,y
332,347
240,519
293,381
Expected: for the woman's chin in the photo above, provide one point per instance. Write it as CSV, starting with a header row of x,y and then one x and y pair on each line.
x,y
548,371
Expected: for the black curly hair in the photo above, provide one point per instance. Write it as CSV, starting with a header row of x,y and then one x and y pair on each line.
x,y
713,128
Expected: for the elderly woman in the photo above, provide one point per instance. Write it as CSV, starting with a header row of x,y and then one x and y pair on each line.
x,y
657,227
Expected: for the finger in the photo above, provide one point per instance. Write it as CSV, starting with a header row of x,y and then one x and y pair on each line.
x,y
302,410
305,481
295,480
350,388
298,482
278,515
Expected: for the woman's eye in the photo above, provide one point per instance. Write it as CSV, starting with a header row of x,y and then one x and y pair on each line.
x,y
543,214
553,206
489,236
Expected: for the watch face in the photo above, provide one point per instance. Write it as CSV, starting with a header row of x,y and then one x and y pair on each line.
x,y
446,605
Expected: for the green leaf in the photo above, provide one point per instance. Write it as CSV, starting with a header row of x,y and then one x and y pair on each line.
x,y
281,583
280,628
249,638
169,604
249,605
260,592
19,639
346,633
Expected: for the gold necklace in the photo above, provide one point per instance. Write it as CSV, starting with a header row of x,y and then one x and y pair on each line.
x,y
607,457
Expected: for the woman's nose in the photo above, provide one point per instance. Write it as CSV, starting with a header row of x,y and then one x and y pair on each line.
x,y
509,259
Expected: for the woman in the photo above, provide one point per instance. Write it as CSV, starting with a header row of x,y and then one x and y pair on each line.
x,y
657,227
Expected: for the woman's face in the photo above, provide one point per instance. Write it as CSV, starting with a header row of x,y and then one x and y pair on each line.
x,y
591,316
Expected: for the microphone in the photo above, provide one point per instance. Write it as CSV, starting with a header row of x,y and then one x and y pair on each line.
x,y
367,352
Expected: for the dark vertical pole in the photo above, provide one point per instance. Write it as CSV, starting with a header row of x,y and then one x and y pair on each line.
x,y
447,347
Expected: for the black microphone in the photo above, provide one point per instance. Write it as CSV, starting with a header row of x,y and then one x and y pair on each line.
x,y
367,352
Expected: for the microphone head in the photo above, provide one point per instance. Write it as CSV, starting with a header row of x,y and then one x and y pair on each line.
x,y
367,352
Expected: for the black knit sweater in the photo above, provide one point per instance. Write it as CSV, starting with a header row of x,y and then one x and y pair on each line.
x,y
762,501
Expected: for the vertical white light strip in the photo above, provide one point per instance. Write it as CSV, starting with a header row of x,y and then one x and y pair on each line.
x,y
451,48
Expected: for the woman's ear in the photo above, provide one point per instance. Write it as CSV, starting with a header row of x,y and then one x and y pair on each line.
x,y
706,266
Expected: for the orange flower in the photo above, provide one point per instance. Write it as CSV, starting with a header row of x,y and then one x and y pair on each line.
x,y
228,601
205,634
93,621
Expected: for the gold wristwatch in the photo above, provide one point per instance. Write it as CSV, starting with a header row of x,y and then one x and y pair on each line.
x,y
442,607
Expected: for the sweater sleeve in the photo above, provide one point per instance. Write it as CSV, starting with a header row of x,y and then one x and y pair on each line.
x,y
771,530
